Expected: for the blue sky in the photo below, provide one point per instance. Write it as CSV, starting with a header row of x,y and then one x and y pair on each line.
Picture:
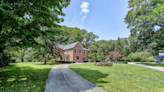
x,y
104,18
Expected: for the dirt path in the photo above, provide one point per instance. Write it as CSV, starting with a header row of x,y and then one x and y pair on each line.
x,y
63,79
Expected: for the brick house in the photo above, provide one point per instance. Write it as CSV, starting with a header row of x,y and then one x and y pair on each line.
x,y
72,52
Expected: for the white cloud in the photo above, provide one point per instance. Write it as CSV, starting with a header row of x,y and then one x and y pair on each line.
x,y
83,17
85,10
84,7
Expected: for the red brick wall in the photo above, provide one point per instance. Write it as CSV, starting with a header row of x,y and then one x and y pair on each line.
x,y
74,55
81,55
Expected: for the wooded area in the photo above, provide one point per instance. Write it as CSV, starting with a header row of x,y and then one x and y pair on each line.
x,y
29,30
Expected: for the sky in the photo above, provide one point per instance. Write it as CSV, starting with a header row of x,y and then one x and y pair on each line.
x,y
104,18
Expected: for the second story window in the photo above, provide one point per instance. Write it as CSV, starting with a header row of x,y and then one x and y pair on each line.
x,y
85,52
80,51
70,51
75,50
67,51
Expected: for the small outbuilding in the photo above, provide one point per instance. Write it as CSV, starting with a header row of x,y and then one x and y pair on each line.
x,y
159,59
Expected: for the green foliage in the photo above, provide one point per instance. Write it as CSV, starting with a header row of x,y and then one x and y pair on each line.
x,y
90,60
70,35
93,55
140,56
100,55
143,17
125,62
119,46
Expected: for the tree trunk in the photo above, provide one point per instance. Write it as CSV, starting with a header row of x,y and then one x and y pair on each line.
x,y
94,61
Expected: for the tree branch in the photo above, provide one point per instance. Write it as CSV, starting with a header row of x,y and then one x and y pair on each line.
x,y
6,38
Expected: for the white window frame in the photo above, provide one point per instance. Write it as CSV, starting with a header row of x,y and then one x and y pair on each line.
x,y
79,58
80,51
74,50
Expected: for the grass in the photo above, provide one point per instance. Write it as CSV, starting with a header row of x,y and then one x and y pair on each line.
x,y
24,77
122,77
151,63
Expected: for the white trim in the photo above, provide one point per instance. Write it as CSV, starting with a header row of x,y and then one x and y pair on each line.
x,y
79,58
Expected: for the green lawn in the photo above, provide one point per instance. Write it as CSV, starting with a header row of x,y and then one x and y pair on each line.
x,y
20,77
122,77
151,63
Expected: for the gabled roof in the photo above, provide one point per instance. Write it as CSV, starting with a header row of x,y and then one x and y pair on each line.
x,y
68,46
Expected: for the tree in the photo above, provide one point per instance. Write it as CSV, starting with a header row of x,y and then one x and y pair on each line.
x,y
144,17
114,55
23,21
93,55
89,39
100,54
119,45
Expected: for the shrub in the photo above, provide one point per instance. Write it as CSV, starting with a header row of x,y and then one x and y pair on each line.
x,y
107,63
66,61
125,62
151,59
90,60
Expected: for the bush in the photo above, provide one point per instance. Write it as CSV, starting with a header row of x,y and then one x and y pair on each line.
x,y
107,63
90,60
66,61
125,62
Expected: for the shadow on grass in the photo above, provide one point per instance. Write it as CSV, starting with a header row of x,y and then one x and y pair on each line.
x,y
19,79
93,76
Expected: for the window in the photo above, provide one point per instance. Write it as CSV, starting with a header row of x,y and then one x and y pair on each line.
x,y
80,51
78,57
70,57
67,51
70,51
75,50
84,59
85,52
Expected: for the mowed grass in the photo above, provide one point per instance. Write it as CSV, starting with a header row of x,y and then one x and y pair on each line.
x,y
24,77
122,77
151,64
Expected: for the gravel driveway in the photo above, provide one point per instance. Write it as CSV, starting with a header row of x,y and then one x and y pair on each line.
x,y
63,79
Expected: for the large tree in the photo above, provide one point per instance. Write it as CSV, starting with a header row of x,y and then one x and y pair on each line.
x,y
144,17
22,20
